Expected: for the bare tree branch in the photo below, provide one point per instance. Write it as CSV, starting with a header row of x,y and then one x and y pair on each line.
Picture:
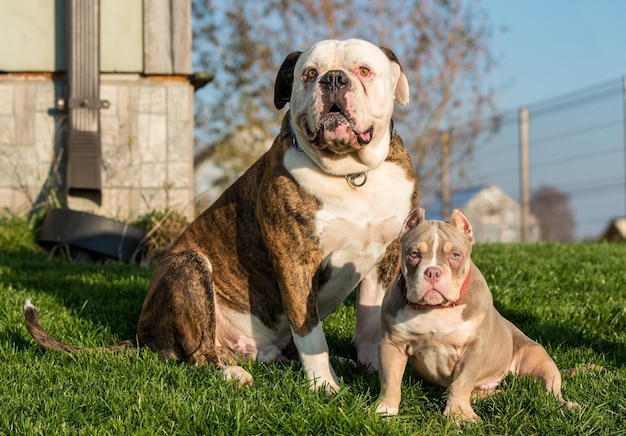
x,y
442,46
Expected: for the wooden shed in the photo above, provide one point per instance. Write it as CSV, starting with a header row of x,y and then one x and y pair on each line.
x,y
97,106
495,216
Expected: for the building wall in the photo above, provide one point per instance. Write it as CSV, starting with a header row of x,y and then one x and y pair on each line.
x,y
146,131
121,36
36,32
147,144
31,31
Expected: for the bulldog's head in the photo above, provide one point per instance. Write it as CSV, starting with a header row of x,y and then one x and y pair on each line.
x,y
341,96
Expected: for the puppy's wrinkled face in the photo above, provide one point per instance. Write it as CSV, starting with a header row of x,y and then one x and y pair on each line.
x,y
341,104
436,258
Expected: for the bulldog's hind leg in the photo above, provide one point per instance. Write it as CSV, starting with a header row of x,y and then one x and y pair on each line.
x,y
178,317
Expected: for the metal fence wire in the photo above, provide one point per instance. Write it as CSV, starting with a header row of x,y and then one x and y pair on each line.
x,y
576,145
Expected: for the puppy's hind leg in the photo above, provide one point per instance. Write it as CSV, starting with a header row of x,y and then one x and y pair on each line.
x,y
535,361
178,319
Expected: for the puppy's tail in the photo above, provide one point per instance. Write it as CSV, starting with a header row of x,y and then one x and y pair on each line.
x,y
47,342
573,372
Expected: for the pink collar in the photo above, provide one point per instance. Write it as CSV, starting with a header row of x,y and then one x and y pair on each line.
x,y
415,306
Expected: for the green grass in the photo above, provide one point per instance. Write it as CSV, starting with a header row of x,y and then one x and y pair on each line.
x,y
569,297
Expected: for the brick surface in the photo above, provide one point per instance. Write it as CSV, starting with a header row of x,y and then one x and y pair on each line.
x,y
147,144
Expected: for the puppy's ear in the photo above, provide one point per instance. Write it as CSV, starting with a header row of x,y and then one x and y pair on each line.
x,y
401,90
284,80
415,218
461,222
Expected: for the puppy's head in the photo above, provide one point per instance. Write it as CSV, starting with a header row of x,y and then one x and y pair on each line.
x,y
435,257
341,96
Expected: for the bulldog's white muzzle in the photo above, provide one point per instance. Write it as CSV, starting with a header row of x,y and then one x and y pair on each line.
x,y
341,104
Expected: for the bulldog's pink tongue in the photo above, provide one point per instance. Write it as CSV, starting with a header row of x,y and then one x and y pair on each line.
x,y
365,137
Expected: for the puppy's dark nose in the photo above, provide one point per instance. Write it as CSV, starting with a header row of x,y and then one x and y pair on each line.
x,y
334,80
433,273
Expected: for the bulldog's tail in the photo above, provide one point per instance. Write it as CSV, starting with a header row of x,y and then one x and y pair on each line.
x,y
47,342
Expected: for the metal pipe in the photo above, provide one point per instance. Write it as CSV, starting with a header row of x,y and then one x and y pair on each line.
x,y
524,128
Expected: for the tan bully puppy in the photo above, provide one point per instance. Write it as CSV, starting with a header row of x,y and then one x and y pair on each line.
x,y
439,314
311,220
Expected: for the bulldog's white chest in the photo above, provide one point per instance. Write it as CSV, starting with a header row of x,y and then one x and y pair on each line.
x,y
355,224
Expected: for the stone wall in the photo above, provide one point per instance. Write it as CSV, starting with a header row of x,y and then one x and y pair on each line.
x,y
147,144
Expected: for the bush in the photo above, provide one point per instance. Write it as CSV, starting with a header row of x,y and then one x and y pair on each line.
x,y
163,228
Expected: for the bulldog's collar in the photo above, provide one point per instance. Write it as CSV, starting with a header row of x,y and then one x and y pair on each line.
x,y
355,180
294,141
416,306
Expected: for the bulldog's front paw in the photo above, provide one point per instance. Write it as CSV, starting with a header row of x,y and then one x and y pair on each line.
x,y
330,387
238,374
328,382
313,353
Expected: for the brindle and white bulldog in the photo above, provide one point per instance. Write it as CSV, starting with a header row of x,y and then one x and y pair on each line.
x,y
315,217
438,314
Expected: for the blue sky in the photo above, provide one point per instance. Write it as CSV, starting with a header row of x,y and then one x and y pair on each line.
x,y
554,47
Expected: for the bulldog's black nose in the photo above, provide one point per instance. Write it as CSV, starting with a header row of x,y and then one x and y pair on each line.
x,y
334,80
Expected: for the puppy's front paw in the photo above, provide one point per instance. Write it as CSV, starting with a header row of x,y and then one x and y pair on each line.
x,y
461,415
386,410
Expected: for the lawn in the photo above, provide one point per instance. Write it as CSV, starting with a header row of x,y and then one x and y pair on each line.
x,y
569,297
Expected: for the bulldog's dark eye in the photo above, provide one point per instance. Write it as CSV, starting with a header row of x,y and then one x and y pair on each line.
x,y
310,75
415,255
364,72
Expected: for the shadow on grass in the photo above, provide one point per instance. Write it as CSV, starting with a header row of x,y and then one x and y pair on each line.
x,y
111,294
566,336
107,294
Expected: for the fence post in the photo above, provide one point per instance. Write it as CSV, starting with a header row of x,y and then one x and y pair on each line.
x,y
624,125
444,142
524,173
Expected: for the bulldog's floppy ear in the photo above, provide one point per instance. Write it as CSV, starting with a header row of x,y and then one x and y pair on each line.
x,y
415,218
401,92
461,222
284,80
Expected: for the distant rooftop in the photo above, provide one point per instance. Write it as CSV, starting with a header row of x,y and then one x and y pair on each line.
x,y
434,209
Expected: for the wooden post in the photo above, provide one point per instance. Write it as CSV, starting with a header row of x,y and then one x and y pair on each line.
x,y
524,129
167,37
624,123
181,36
444,142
